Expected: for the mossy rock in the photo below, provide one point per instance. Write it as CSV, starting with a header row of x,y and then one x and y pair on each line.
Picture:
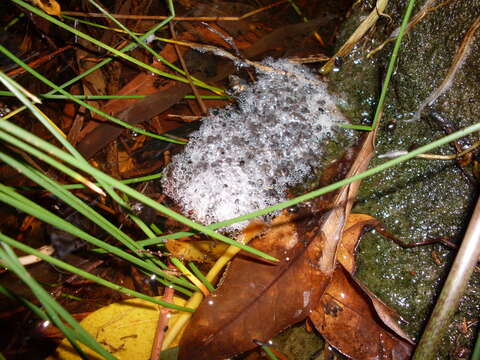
x,y
419,199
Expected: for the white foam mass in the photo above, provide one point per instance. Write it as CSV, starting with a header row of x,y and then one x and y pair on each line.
x,y
244,157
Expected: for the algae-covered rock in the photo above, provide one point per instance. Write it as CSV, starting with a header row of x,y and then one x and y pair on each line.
x,y
420,199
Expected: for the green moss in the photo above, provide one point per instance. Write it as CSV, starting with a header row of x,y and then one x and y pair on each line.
x,y
299,344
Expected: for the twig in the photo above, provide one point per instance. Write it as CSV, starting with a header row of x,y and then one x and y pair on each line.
x,y
200,102
457,62
32,259
74,277
309,59
397,153
185,118
35,63
452,291
305,19
162,325
426,8
441,240
238,61
227,38
357,35
178,18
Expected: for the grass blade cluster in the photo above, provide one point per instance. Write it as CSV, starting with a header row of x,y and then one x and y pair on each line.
x,y
56,313
113,119
42,150
112,50
74,270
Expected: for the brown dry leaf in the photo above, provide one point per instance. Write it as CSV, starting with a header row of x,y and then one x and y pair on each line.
x,y
348,321
344,312
333,224
126,162
388,316
356,225
347,310
199,251
51,7
94,83
257,300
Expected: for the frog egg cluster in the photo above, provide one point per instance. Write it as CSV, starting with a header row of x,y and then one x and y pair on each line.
x,y
244,157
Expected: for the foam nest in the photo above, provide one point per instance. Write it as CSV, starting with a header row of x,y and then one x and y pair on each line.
x,y
245,156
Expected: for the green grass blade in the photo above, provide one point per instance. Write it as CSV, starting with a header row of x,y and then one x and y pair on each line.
x,y
22,203
11,85
326,189
71,200
269,353
82,186
390,68
63,265
21,300
110,97
112,50
139,41
13,129
81,161
53,150
196,271
113,119
55,312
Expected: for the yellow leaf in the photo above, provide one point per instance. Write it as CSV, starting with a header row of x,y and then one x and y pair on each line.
x,y
199,251
51,7
126,329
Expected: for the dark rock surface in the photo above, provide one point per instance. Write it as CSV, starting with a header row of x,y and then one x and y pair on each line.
x,y
419,199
